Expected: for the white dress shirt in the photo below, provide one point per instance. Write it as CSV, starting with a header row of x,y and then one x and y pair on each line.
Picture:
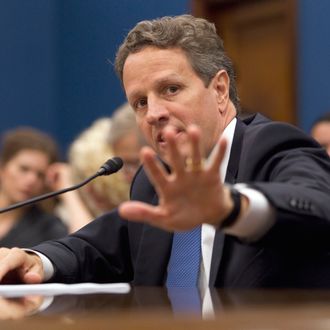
x,y
255,223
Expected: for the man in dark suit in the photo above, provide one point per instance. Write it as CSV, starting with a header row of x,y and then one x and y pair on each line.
x,y
267,226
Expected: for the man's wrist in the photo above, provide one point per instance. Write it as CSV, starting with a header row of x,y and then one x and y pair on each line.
x,y
231,218
256,218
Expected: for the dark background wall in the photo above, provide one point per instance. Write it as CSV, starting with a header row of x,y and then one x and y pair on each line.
x,y
313,60
29,74
55,60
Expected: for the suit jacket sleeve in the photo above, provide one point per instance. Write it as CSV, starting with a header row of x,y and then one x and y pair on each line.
x,y
293,172
99,252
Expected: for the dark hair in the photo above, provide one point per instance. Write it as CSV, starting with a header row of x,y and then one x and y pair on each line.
x,y
323,119
27,138
195,36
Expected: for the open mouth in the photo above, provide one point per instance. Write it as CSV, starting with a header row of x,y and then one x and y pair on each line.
x,y
160,139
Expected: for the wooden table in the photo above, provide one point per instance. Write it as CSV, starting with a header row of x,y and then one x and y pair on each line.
x,y
149,308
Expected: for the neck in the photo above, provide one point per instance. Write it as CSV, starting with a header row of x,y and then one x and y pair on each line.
x,y
10,215
229,114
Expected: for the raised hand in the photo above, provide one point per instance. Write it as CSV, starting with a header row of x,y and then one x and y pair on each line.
x,y
188,196
59,176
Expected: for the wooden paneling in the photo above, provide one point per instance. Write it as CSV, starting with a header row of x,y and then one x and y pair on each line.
x,y
259,36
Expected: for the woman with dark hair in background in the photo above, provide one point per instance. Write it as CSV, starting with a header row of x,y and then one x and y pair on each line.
x,y
26,154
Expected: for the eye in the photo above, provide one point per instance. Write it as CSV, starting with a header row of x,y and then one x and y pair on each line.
x,y
172,89
40,175
140,103
23,168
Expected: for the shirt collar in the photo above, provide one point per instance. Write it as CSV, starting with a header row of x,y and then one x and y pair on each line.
x,y
227,134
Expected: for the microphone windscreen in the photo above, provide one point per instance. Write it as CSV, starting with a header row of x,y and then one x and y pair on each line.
x,y
112,165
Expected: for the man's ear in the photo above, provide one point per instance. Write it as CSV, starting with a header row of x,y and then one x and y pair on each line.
x,y
221,84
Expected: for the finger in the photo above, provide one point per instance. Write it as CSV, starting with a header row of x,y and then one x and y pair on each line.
x,y
154,169
138,211
3,252
32,304
14,259
32,277
219,155
11,308
153,215
196,154
21,263
177,160
35,272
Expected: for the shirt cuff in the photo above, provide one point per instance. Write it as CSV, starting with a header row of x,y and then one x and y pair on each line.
x,y
259,218
46,263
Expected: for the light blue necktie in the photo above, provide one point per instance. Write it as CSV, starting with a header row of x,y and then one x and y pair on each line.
x,y
183,267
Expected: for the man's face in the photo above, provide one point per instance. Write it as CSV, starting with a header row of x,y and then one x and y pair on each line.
x,y
321,133
23,176
164,91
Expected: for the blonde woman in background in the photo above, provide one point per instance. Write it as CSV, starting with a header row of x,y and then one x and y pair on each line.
x,y
86,154
126,140
104,139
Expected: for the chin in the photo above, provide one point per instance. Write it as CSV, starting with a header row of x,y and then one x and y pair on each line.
x,y
22,198
161,152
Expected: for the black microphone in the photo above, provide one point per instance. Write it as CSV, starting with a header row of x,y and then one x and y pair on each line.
x,y
110,166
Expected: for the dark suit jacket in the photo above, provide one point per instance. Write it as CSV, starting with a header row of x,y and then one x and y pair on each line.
x,y
287,166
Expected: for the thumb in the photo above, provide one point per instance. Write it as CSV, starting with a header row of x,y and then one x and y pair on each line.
x,y
35,273
32,277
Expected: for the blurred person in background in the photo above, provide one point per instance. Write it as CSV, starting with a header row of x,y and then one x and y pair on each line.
x,y
87,153
117,136
321,131
126,140
26,154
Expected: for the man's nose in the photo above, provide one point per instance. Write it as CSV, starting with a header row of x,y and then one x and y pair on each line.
x,y
158,113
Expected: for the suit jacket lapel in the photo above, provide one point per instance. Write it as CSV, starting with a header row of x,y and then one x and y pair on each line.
x,y
231,176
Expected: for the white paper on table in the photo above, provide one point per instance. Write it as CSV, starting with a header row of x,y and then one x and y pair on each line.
x,y
53,289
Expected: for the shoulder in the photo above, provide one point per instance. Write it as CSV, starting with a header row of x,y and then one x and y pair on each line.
x,y
269,144
258,123
263,133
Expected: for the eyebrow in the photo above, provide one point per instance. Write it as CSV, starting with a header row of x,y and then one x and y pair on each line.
x,y
159,82
169,79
